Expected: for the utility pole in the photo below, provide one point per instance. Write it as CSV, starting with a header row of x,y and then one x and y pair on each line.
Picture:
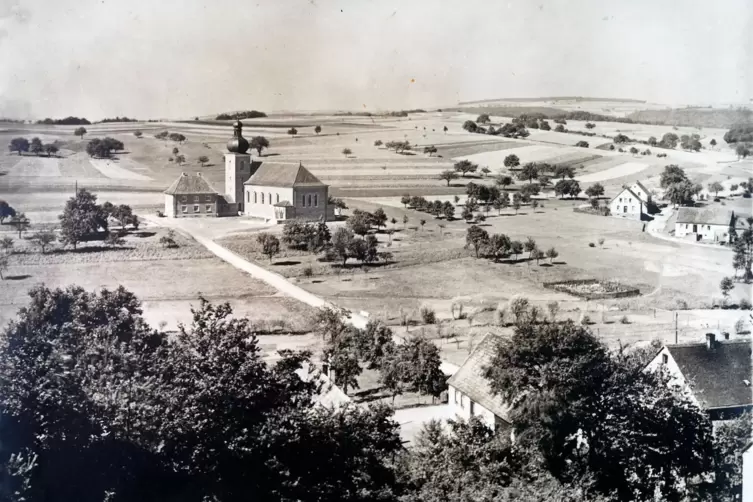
x,y
676,316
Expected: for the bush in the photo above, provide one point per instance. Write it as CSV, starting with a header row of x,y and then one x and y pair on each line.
x,y
740,326
308,271
745,304
682,305
585,320
428,315
624,320
591,245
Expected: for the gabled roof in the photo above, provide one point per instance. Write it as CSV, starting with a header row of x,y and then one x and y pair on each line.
x,y
283,175
642,187
705,216
470,380
626,189
190,184
716,376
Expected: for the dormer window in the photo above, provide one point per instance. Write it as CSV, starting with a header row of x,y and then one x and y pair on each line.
x,y
664,358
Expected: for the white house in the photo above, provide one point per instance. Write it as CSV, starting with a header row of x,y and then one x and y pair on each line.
x,y
469,392
708,224
641,191
716,374
748,473
628,204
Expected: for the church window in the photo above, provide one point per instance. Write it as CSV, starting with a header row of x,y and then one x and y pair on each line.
x,y
303,200
254,197
277,196
309,200
262,197
316,200
270,198
248,196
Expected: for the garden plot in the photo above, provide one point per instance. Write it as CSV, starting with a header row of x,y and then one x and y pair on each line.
x,y
36,167
111,169
619,171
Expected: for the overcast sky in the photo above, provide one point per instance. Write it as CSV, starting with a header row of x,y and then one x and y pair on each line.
x,y
180,58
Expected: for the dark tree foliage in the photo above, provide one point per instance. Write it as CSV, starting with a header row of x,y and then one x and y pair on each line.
x,y
259,143
249,114
672,174
740,134
19,145
593,414
81,218
98,406
6,211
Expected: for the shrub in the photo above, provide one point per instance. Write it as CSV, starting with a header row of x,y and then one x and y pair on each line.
x,y
745,304
308,271
428,315
624,320
682,305
740,326
502,317
591,245
585,320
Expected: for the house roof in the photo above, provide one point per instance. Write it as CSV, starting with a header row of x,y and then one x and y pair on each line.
x,y
190,184
626,189
705,216
283,203
642,187
283,175
329,394
716,376
470,380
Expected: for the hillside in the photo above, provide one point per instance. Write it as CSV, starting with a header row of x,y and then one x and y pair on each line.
x,y
694,117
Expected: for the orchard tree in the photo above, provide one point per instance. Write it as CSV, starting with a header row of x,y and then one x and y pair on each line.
x,y
430,150
259,143
476,237
318,129
270,244
6,211
468,125
712,142
504,180
715,187
672,174
21,223
347,151
529,172
203,159
448,176
293,131
465,166
726,286
36,147
43,239
19,145
80,132
51,149
595,191
138,134
552,253
81,218
512,161
483,118
582,144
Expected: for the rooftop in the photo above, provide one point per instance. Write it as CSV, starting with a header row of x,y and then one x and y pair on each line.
x,y
470,380
716,375
704,216
283,175
627,189
189,184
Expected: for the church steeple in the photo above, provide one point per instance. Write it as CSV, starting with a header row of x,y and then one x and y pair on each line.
x,y
238,144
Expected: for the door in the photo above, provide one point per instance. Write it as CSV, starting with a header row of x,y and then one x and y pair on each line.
x,y
695,229
624,209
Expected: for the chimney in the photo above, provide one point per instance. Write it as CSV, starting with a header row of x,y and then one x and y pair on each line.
x,y
710,340
726,335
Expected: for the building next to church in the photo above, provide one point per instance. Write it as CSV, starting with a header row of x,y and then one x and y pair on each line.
x,y
270,191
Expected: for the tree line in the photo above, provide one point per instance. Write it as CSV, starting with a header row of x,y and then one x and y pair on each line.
x,y
35,146
130,412
249,114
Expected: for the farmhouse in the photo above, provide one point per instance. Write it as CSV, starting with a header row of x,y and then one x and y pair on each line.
x,y
469,392
252,188
717,374
629,204
709,224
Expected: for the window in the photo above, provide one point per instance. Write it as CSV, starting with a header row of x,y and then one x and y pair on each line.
x,y
254,197
184,209
664,358
303,201
262,197
456,396
462,404
472,407
196,198
209,208
270,198
277,197
184,198
208,198
708,227
309,200
316,199
248,196
196,208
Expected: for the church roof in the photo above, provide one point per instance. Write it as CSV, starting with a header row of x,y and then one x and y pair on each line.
x,y
190,184
283,175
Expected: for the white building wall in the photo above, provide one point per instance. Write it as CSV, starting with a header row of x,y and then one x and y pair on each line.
x,y
460,406
636,188
170,206
254,195
748,475
625,205
712,233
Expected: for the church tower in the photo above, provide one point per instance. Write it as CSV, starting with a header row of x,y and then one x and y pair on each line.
x,y
237,167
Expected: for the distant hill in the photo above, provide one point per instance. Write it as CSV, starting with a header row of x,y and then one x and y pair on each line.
x,y
694,117
553,98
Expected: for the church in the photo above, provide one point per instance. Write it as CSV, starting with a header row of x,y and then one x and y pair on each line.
x,y
270,191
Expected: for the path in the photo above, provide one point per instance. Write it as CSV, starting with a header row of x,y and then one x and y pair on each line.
x,y
275,280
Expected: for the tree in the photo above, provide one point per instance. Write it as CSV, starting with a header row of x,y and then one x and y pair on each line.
x,y
483,118
498,246
36,147
270,244
176,151
114,239
476,237
360,222
51,149
19,145
712,142
43,238
590,125
469,126
259,143
669,140
560,128
589,413
448,210
378,143
177,137
504,181
529,190
405,200
347,151
512,161
3,266
318,129
516,247
138,134
80,132
465,166
715,187
620,139
180,159
422,223
595,191
203,159
448,176
405,220
530,247
485,170
730,439
430,150
529,172
6,211
680,193
563,172
81,218
742,151
672,174
445,129
7,244
421,366
20,222
582,144
379,218
341,240
293,131
552,253
633,150
726,286
652,141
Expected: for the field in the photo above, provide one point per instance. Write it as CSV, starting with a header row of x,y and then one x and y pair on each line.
x,y
430,264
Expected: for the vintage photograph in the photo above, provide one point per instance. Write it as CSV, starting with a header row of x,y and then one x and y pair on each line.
x,y
378,251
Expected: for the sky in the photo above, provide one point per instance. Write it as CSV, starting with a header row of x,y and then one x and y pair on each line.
x,y
186,58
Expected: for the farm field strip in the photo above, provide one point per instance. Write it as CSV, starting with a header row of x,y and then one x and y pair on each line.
x,y
112,170
36,167
625,169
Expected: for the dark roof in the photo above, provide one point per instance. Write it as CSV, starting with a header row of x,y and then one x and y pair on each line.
x,y
190,184
283,175
704,216
470,380
716,375
283,203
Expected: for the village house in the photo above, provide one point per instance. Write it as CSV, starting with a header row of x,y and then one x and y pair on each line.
x,y
707,224
716,374
748,473
629,204
469,393
252,188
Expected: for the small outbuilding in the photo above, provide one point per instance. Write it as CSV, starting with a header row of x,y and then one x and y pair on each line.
x,y
707,224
